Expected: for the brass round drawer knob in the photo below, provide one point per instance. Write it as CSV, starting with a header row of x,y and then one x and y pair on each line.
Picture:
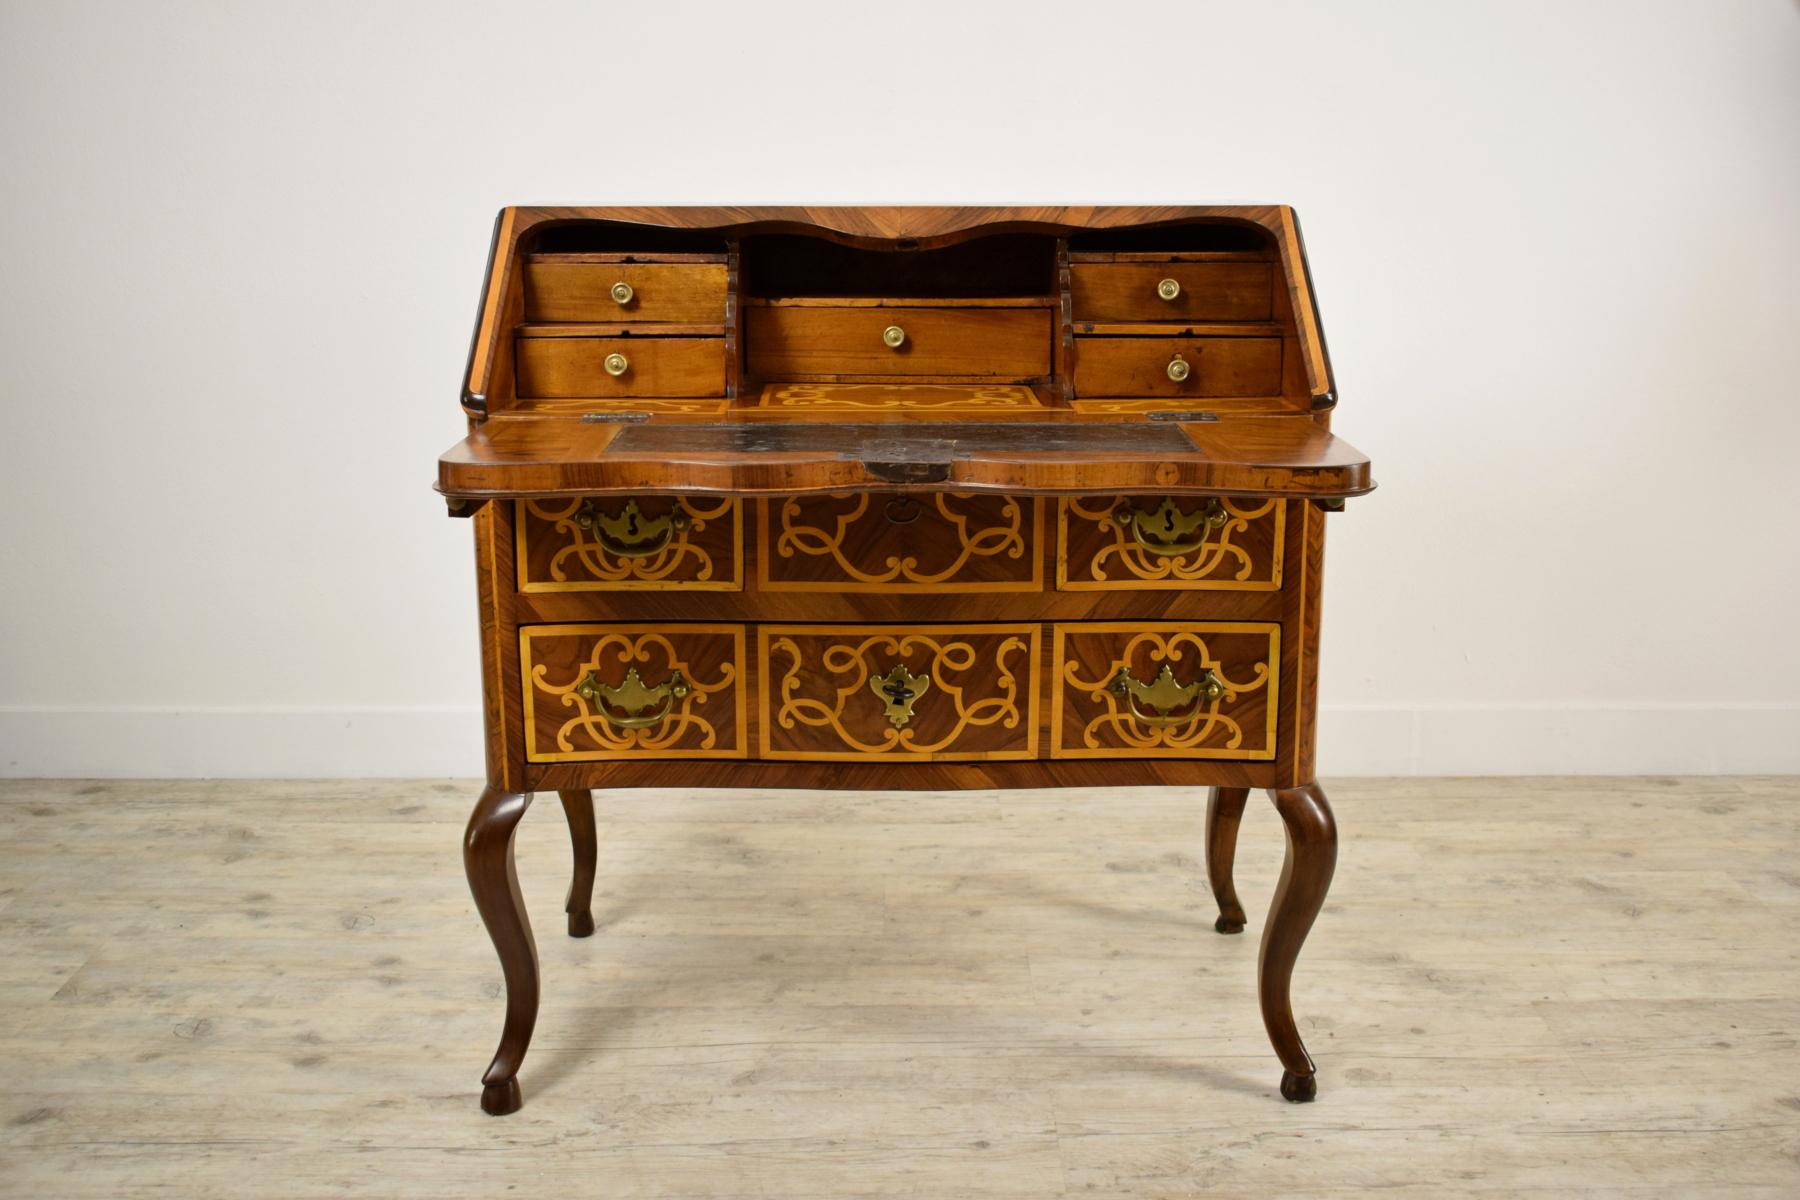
x,y
1178,368
894,336
617,364
1168,289
622,293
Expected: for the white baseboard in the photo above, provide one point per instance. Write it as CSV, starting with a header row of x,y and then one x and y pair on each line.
x,y
1714,739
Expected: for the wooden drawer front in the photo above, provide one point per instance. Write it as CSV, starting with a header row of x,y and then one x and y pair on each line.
x,y
939,542
552,368
1215,291
1139,366
830,692
803,343
612,691
650,543
560,289
1096,715
1196,543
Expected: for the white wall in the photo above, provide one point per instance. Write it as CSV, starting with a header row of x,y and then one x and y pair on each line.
x,y
1557,247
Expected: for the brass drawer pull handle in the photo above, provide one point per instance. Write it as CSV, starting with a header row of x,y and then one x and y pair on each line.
x,y
1179,368
1165,695
1168,289
628,534
616,364
634,698
622,293
898,690
1168,532
894,336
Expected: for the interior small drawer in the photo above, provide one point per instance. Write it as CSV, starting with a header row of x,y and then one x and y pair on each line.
x,y
562,287
636,543
595,692
1169,543
892,544
1165,689
554,368
801,342
850,693
1178,366
1172,291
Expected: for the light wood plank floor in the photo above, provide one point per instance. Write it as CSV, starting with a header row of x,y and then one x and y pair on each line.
x,y
1552,987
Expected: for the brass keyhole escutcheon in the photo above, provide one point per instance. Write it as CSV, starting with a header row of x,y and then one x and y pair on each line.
x,y
622,293
628,533
894,336
1166,531
616,364
1179,368
899,689
1168,289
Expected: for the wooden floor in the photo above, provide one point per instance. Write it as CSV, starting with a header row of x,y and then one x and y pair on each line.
x,y
1553,987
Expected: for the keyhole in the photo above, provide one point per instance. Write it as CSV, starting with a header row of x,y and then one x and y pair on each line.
x,y
1168,522
632,526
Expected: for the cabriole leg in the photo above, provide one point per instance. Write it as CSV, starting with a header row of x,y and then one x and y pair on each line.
x,y
1224,807
1305,877
488,860
579,806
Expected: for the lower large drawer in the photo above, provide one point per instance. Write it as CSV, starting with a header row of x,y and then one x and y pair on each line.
x,y
910,693
1165,689
597,692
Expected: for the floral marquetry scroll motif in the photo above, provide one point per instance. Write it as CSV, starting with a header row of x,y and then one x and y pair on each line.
x,y
1216,543
876,397
844,693
1155,689
940,542
597,692
650,543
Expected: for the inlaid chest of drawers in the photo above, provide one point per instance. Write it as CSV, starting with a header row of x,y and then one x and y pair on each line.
x,y
899,498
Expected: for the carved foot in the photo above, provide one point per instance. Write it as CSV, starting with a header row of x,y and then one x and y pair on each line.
x,y
1226,925
1299,1089
498,1099
581,924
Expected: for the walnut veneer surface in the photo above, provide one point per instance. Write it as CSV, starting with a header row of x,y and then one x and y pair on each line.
x,y
899,498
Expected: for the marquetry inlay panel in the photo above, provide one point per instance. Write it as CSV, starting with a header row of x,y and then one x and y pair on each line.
x,y
928,692
1217,700
594,692
567,544
1236,547
871,542
874,397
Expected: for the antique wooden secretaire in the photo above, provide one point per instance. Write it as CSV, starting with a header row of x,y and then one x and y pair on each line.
x,y
899,498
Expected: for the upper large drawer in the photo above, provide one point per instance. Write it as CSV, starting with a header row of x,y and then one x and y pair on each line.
x,y
1171,291
578,287
799,342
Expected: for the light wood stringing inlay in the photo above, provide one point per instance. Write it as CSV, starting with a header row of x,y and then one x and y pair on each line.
x,y
1094,553
689,731
846,542
1089,720
814,692
695,559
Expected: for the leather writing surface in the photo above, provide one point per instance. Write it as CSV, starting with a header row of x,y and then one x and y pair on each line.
x,y
911,441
